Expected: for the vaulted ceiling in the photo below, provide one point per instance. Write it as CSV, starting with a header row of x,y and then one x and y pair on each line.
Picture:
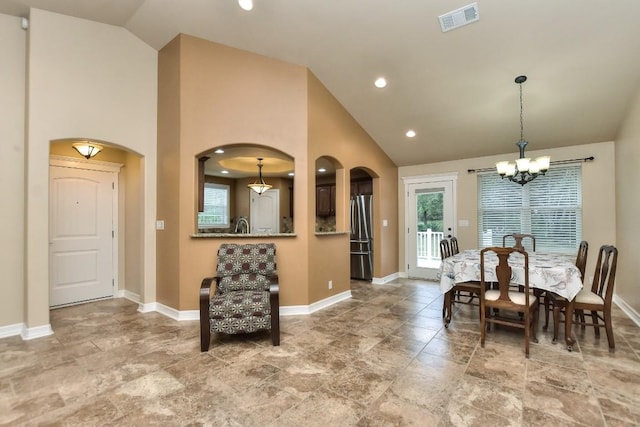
x,y
455,89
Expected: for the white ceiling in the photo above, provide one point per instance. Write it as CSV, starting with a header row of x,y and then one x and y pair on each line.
x,y
455,89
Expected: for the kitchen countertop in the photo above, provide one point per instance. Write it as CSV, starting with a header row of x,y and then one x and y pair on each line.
x,y
330,233
239,235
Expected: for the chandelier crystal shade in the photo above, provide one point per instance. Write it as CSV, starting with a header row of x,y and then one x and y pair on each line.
x,y
259,186
524,169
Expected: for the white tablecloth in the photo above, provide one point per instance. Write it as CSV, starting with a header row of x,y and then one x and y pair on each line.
x,y
550,272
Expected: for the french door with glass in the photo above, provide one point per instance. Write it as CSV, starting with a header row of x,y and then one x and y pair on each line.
x,y
430,213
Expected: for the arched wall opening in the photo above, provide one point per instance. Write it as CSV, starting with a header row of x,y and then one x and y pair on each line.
x,y
129,223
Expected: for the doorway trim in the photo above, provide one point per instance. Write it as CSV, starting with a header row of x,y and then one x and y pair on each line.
x,y
85,164
409,181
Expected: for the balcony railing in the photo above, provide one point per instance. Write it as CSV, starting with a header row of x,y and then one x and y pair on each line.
x,y
428,246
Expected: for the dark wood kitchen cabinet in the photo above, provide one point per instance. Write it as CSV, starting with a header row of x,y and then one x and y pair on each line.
x,y
361,186
326,200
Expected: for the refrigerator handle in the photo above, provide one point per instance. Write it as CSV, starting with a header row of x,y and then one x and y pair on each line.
x,y
353,216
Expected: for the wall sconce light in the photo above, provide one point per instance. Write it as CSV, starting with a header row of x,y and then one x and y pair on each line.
x,y
259,186
87,149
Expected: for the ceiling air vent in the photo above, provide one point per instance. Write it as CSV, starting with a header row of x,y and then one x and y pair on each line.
x,y
459,17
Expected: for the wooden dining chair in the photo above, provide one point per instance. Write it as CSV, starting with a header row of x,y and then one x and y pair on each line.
x,y
461,293
445,249
453,243
581,258
496,304
581,263
596,299
519,237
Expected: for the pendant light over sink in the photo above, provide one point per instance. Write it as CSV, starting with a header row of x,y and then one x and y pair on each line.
x,y
524,169
259,186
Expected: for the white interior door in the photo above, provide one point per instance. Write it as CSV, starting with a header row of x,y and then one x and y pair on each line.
x,y
430,218
265,212
81,235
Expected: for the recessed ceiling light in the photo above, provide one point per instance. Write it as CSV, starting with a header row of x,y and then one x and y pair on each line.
x,y
380,82
322,170
219,151
246,4
224,172
411,133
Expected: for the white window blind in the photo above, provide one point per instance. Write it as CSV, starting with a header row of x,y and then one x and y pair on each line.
x,y
216,207
549,207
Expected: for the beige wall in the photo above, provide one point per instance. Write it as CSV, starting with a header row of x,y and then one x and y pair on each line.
x,y
628,208
89,80
213,95
12,104
216,96
334,133
598,194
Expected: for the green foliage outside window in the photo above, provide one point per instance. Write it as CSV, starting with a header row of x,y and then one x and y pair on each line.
x,y
430,213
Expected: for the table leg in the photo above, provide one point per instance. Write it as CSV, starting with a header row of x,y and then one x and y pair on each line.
x,y
446,309
568,324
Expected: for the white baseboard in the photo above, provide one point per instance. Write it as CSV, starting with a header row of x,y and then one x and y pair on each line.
x,y
36,332
147,308
179,315
129,295
171,312
292,310
627,309
403,275
386,279
11,330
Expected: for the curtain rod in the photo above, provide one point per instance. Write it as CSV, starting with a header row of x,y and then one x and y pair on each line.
x,y
556,162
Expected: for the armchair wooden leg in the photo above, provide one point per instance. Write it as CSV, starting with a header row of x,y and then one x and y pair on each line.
x,y
205,335
205,327
274,301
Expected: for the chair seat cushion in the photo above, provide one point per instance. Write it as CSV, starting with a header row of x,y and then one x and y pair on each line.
x,y
241,311
243,282
585,296
517,297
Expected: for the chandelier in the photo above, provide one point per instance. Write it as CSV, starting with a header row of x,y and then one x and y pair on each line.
x,y
259,186
524,169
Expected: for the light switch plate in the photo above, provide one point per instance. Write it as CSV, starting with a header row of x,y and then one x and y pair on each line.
x,y
463,223
160,225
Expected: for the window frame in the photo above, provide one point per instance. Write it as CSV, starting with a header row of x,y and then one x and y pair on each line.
x,y
227,207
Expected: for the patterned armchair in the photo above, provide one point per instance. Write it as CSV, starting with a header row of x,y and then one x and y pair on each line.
x,y
245,298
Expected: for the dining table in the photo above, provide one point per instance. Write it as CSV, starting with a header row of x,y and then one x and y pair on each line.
x,y
550,272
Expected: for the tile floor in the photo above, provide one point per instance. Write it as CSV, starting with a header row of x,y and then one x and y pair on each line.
x,y
381,358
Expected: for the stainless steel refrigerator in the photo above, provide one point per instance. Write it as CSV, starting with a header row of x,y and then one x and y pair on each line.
x,y
361,237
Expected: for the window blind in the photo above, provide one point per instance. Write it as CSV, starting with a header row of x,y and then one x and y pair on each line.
x,y
549,207
216,207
